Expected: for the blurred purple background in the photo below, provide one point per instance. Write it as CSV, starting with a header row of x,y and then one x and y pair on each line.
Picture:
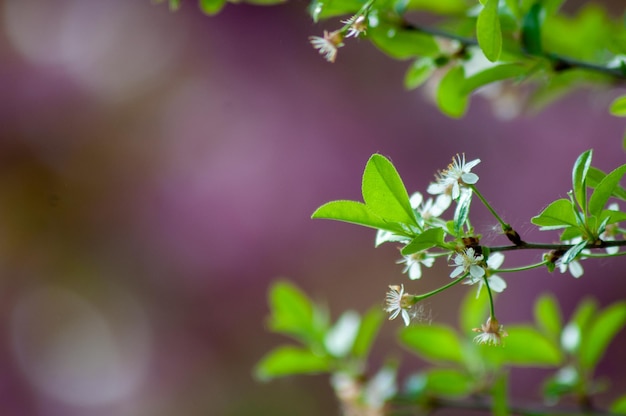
x,y
158,171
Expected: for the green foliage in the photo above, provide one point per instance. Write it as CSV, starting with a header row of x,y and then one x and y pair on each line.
x,y
433,342
212,7
488,30
386,205
288,360
343,346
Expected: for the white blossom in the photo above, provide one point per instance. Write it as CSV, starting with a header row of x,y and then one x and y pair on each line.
x,y
491,333
457,173
397,303
357,26
496,283
327,45
611,231
467,261
413,264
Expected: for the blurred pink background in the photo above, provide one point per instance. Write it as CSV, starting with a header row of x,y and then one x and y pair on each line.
x,y
158,171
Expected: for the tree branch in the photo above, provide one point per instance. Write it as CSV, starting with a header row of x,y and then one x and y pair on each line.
x,y
559,63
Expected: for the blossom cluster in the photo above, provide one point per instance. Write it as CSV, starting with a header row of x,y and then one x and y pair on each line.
x,y
329,44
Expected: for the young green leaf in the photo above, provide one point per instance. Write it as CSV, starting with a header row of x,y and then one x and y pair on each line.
x,y
288,360
572,332
430,238
619,406
548,316
604,190
434,342
618,106
452,98
602,329
595,176
211,7
473,310
448,382
531,29
492,74
525,346
370,324
402,44
419,72
355,213
384,193
499,393
571,254
292,312
488,31
462,212
579,178
174,5
559,214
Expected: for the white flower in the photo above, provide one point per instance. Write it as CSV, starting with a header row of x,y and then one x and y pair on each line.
x,y
458,173
357,25
428,209
327,45
611,231
413,264
496,283
398,303
491,333
468,261
574,267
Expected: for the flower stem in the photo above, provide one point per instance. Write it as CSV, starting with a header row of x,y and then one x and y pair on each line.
x,y
417,298
521,268
491,307
504,225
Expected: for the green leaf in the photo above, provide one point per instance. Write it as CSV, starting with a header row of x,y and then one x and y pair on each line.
x,y
434,342
473,310
353,212
174,5
370,324
619,406
571,254
618,106
288,360
443,7
595,176
572,332
292,312
419,72
559,214
531,29
323,9
525,346
211,7
402,44
579,178
430,238
499,393
613,216
384,193
602,329
604,190
548,315
452,98
488,31
448,382
492,74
